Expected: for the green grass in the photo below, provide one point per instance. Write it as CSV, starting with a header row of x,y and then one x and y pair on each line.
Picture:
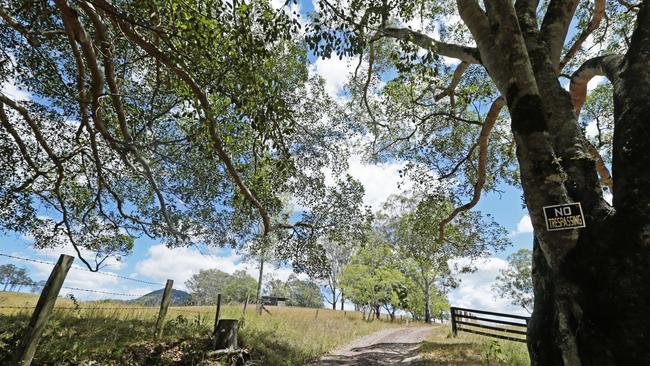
x,y
471,350
289,336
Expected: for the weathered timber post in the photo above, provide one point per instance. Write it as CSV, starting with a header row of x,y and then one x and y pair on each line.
x,y
217,316
43,310
164,304
226,334
454,330
246,304
315,317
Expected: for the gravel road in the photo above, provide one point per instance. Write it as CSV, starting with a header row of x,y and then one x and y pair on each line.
x,y
386,347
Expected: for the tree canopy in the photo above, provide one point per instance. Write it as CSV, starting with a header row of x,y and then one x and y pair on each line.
x,y
187,121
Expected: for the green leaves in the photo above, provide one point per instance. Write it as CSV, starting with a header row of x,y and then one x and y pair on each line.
x,y
516,281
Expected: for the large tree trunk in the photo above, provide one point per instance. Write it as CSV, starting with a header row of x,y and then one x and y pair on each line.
x,y
342,301
591,284
608,271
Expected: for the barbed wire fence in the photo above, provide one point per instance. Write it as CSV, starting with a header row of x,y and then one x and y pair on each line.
x,y
88,290
50,292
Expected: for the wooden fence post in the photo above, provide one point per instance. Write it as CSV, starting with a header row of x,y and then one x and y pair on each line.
x,y
164,304
217,316
246,304
43,310
454,330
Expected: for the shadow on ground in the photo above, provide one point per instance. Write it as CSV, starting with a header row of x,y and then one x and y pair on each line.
x,y
377,354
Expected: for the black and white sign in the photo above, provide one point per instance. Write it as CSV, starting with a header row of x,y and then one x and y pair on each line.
x,y
564,217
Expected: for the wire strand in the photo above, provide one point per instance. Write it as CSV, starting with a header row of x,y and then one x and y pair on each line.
x,y
80,269
100,292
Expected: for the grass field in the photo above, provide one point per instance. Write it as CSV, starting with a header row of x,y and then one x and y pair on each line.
x,y
471,350
289,336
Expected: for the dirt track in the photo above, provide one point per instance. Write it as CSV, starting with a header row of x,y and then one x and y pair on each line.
x,y
386,347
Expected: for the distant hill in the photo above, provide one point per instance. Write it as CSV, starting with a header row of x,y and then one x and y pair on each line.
x,y
153,298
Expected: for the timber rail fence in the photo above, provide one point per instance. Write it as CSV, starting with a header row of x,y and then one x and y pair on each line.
x,y
489,324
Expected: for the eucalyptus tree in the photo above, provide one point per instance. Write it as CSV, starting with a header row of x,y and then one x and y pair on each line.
x,y
181,120
448,120
336,256
372,279
410,225
516,282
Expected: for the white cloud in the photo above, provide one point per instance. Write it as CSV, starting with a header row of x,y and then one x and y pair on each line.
x,y
335,71
591,130
524,226
595,81
10,90
180,264
475,289
68,249
78,281
379,180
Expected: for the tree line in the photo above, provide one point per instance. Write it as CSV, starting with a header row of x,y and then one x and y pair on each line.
x,y
14,278
239,287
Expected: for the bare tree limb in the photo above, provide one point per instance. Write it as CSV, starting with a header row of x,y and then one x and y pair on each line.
x,y
603,65
594,23
72,22
463,53
483,140
556,25
604,174
449,91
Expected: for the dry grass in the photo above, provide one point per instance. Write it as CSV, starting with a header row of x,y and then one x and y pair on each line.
x,y
287,336
471,350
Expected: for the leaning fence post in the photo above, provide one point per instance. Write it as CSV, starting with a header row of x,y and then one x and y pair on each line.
x,y
217,315
164,304
246,304
454,330
43,310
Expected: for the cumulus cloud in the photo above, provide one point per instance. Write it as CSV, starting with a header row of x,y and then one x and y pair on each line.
x,y
335,71
595,81
475,290
180,264
86,285
524,226
379,180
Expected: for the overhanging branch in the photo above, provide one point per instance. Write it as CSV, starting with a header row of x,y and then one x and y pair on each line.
x,y
463,53
483,140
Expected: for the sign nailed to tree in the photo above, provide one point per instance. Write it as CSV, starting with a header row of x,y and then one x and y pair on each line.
x,y
564,217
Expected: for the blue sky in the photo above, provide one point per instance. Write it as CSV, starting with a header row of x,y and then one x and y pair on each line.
x,y
151,261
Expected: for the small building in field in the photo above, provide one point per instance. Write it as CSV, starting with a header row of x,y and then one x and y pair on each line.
x,y
274,300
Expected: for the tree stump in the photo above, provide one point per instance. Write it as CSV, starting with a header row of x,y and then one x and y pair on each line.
x,y
226,334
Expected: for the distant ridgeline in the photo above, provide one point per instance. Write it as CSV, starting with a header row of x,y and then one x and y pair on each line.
x,y
154,298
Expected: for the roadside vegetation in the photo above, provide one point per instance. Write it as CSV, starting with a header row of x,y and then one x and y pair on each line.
x,y
471,350
287,336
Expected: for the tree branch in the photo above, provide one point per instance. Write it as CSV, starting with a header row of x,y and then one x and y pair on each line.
x,y
594,23
184,75
608,65
72,23
483,140
463,53
13,23
556,25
